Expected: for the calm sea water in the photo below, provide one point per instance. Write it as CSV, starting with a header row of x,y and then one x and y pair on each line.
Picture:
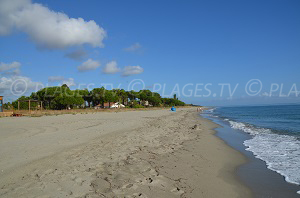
x,y
275,132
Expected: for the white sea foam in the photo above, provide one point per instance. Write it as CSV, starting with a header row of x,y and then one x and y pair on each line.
x,y
210,110
248,128
280,152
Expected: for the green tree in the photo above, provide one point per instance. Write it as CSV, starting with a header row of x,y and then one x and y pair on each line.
x,y
110,96
132,95
24,105
85,95
59,97
120,95
155,101
7,106
98,96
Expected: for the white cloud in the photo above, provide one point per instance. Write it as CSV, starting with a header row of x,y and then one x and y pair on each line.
x,y
70,82
55,78
15,72
17,85
132,70
9,66
111,68
89,65
133,48
47,28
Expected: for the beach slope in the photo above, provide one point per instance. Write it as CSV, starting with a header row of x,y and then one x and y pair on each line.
x,y
126,154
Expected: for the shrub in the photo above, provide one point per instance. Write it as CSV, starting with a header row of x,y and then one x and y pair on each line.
x,y
138,106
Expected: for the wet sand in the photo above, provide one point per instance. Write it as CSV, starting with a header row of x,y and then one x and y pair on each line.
x,y
127,154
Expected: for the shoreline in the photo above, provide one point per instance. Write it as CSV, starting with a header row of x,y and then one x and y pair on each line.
x,y
137,154
262,181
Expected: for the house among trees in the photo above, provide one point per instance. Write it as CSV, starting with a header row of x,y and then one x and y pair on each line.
x,y
106,105
61,97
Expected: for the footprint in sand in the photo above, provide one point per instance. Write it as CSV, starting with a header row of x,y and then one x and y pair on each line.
x,y
177,191
101,185
139,195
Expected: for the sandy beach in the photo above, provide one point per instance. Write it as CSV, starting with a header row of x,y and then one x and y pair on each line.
x,y
155,153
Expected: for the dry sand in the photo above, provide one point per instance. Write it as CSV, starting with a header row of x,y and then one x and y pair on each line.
x,y
127,154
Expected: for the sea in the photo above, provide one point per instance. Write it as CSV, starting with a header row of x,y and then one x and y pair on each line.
x,y
274,132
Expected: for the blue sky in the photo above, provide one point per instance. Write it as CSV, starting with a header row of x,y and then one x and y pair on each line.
x,y
171,43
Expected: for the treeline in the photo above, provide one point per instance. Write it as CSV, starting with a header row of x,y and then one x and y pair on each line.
x,y
61,97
